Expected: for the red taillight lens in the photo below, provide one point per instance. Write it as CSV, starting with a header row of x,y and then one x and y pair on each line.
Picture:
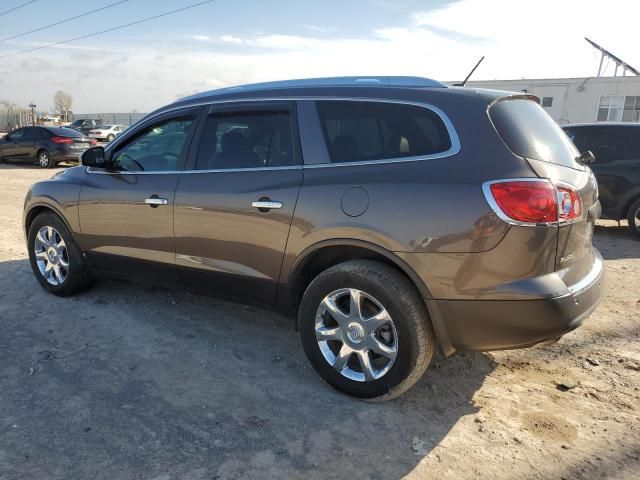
x,y
61,140
529,202
569,204
537,201
92,141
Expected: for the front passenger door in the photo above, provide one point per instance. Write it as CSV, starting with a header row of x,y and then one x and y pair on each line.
x,y
126,210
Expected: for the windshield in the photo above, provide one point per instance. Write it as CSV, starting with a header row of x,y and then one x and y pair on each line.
x,y
530,132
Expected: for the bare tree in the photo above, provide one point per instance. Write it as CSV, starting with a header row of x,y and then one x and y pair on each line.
x,y
62,102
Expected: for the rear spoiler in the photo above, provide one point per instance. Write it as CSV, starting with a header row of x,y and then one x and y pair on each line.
x,y
495,96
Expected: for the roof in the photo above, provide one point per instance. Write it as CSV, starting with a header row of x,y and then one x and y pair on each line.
x,y
602,124
374,81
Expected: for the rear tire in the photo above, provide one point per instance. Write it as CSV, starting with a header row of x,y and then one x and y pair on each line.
x,y
110,137
377,351
56,259
633,217
44,159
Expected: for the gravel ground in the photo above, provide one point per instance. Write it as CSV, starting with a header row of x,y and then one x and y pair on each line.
x,y
133,381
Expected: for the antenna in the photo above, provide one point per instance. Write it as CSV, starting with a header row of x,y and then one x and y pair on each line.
x,y
619,63
470,73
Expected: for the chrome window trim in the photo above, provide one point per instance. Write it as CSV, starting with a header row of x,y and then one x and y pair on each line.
x,y
189,172
454,149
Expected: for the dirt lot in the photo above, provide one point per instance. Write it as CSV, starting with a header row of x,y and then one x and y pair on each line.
x,y
130,381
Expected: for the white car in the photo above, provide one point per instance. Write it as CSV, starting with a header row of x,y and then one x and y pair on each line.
x,y
107,132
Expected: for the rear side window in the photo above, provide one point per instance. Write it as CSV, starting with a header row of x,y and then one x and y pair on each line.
x,y
249,139
607,143
530,132
363,131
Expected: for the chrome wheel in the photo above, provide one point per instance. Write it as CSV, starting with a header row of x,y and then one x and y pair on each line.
x,y
51,254
43,159
356,335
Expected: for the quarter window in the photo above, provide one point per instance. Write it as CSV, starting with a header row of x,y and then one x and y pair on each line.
x,y
158,148
364,131
251,139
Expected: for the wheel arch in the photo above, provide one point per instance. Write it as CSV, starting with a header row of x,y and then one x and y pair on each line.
x,y
38,208
322,255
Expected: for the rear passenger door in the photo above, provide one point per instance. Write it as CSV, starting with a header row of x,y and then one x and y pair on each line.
x,y
235,201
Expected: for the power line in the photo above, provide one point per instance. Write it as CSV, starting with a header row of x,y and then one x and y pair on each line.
x,y
16,8
107,30
63,21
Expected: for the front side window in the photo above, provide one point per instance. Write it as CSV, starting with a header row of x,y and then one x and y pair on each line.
x,y
251,139
364,131
157,148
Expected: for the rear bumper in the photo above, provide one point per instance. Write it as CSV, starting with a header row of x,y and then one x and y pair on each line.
x,y
482,325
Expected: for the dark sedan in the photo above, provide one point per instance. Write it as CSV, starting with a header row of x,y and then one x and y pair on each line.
x,y
46,145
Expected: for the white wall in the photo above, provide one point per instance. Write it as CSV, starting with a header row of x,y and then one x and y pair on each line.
x,y
575,100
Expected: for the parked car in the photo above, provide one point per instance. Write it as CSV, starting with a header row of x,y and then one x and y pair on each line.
x,y
107,132
46,145
389,215
616,147
85,125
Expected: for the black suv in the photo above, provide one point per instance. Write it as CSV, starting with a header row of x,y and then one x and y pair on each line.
x,y
388,215
616,147
85,125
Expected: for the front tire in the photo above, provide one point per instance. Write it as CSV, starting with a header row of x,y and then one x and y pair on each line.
x,y
56,259
110,137
633,218
365,330
44,159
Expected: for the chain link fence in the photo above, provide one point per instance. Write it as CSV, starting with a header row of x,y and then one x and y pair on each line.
x,y
126,119
9,121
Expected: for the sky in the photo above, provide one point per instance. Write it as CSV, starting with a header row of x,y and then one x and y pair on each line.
x,y
231,42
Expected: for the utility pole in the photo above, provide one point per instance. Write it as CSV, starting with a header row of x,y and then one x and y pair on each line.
x,y
32,106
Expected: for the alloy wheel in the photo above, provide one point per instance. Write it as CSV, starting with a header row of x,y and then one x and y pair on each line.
x,y
43,159
51,254
356,335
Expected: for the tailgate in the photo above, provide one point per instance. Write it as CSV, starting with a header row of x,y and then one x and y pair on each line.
x,y
531,133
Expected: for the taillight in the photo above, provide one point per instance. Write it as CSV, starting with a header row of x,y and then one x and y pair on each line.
x,y
92,141
533,201
569,204
59,140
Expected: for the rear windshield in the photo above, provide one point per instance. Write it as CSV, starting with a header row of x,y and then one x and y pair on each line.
x,y
608,143
530,132
65,132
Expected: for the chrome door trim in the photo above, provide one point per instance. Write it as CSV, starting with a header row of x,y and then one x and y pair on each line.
x,y
267,204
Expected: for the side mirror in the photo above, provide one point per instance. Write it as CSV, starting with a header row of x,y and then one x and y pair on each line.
x,y
586,158
94,157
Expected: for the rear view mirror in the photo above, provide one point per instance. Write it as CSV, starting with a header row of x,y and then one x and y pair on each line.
x,y
94,157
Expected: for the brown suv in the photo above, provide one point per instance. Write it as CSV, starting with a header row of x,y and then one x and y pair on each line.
x,y
390,214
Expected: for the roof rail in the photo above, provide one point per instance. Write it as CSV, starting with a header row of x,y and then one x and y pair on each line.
x,y
375,81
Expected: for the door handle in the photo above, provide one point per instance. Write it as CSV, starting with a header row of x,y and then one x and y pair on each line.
x,y
264,204
154,201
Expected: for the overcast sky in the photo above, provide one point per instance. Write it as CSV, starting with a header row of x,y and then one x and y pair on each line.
x,y
231,42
